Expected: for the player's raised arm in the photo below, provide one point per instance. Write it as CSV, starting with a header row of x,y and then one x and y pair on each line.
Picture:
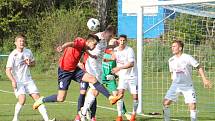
x,y
65,45
207,83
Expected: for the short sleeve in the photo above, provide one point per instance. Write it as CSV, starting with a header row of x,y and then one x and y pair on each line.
x,y
131,55
10,61
193,61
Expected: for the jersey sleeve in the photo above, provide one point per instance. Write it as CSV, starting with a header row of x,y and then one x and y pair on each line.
x,y
193,61
131,55
10,61
170,65
31,56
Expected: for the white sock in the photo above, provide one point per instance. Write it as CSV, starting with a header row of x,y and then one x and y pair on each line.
x,y
18,108
135,105
119,107
166,113
193,115
90,98
43,112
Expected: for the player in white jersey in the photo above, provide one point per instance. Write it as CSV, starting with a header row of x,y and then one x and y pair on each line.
x,y
180,66
17,70
93,65
126,69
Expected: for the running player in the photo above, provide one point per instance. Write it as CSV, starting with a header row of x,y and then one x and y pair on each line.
x,y
17,70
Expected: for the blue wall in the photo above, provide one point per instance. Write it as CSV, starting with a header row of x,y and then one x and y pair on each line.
x,y
128,24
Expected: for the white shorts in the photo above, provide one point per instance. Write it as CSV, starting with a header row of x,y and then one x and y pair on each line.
x,y
26,88
188,92
130,84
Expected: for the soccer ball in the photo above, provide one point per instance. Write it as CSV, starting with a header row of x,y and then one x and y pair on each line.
x,y
93,24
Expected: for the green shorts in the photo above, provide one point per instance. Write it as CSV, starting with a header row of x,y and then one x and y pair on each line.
x,y
110,85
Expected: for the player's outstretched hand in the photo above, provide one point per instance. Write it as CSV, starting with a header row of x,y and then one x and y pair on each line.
x,y
207,84
59,49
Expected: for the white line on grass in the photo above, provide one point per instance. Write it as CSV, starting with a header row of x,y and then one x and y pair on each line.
x,y
75,103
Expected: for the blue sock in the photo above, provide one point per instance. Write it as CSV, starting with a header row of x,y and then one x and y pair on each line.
x,y
101,89
81,100
52,98
93,109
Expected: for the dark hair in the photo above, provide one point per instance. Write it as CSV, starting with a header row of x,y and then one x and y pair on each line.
x,y
21,35
124,36
110,28
180,43
93,36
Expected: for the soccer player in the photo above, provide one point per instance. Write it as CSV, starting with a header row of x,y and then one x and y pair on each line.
x,y
180,66
109,79
68,70
126,69
17,70
94,66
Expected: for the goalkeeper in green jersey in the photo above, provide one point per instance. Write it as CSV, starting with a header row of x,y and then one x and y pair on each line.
x,y
109,79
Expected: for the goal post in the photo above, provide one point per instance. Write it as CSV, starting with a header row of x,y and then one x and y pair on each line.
x,y
192,21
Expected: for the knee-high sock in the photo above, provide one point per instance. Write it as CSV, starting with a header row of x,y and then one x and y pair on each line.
x,y
101,89
193,115
135,105
93,108
90,98
166,113
43,112
52,98
81,100
120,107
123,108
18,108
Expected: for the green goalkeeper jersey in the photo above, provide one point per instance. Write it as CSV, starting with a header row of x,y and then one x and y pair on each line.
x,y
107,67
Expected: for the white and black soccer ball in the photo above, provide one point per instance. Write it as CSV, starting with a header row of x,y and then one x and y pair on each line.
x,y
93,24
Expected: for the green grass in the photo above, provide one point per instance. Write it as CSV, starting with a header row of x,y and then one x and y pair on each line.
x,y
152,99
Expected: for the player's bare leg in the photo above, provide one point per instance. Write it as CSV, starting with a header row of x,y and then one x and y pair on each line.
x,y
18,107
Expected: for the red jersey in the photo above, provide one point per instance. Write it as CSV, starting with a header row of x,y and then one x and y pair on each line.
x,y
72,55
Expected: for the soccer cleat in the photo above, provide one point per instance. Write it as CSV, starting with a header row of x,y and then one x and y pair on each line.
x,y
53,119
128,116
83,117
37,103
133,117
114,99
77,118
119,118
93,119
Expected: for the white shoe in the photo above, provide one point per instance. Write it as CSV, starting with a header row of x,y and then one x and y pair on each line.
x,y
52,119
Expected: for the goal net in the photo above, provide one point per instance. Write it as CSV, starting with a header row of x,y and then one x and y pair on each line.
x,y
194,24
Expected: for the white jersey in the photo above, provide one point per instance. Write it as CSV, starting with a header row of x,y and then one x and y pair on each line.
x,y
20,70
181,69
94,66
123,57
